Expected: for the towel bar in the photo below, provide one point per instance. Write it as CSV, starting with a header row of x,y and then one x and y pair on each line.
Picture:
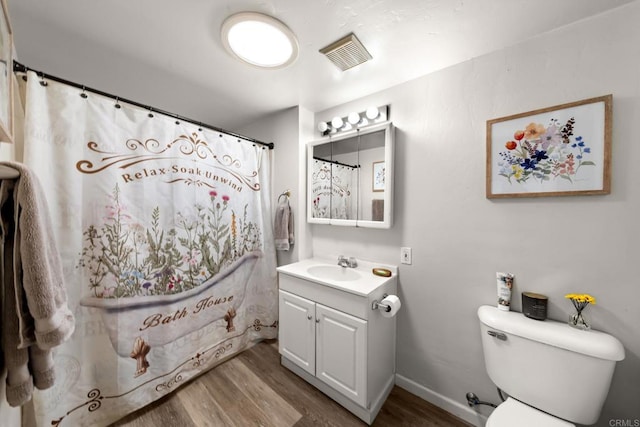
x,y
286,194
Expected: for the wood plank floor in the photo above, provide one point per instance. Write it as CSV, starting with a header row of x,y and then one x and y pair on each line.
x,y
253,389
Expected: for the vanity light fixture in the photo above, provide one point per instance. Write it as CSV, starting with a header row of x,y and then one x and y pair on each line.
x,y
355,120
259,40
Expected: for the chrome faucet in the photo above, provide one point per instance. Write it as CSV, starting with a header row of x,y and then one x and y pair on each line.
x,y
344,262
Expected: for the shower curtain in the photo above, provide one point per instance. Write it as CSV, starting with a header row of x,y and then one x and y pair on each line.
x,y
167,248
321,189
343,191
333,190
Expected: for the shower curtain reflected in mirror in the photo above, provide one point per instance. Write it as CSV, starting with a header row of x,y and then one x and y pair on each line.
x,y
321,189
333,190
343,195
167,247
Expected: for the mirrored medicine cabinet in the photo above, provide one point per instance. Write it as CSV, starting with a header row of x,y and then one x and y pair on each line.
x,y
350,178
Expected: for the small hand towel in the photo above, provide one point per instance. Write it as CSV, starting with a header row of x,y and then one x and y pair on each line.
x,y
283,227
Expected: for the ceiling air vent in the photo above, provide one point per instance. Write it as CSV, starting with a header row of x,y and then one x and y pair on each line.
x,y
347,52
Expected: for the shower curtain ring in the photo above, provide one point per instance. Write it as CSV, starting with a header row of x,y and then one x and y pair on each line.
x,y
117,104
42,81
150,113
83,95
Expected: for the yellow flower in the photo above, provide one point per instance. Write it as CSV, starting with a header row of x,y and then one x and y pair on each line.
x,y
517,171
581,298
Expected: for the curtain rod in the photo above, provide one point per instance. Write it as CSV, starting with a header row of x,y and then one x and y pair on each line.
x,y
20,68
336,162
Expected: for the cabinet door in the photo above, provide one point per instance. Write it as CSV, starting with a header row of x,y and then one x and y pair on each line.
x,y
341,361
296,338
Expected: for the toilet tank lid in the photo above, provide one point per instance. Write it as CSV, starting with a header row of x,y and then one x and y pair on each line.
x,y
558,334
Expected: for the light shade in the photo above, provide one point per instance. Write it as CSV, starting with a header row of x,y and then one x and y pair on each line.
x,y
353,118
372,113
323,127
259,40
337,122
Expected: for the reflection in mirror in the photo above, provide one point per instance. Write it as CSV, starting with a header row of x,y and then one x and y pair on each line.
x,y
372,175
344,179
321,181
334,186
350,178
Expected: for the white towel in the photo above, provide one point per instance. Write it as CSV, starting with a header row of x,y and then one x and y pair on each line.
x,y
283,226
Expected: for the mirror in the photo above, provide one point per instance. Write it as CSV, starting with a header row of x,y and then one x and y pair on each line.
x,y
350,178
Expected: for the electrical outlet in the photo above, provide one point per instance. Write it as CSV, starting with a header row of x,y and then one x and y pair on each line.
x,y
405,255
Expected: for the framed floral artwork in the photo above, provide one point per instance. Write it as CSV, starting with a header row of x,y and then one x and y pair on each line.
x,y
557,151
6,72
378,176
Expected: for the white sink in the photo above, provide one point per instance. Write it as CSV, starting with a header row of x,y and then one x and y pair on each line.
x,y
325,271
333,272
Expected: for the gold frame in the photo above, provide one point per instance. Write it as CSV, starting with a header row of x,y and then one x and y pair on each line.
x,y
594,114
6,128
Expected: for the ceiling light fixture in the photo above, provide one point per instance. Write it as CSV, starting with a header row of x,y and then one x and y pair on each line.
x,y
259,40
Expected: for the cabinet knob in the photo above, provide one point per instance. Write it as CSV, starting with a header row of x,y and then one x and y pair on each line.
x,y
317,320
309,317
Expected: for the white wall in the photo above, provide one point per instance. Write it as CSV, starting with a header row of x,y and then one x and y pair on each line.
x,y
287,130
460,238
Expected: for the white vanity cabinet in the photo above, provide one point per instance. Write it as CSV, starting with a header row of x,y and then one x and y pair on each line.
x,y
331,336
326,343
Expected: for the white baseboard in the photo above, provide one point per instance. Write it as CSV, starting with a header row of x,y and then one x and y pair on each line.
x,y
449,405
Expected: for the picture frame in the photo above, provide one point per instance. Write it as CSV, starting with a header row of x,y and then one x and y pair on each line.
x,y
6,74
378,176
564,150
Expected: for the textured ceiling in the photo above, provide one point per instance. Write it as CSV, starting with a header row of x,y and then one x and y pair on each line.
x,y
168,54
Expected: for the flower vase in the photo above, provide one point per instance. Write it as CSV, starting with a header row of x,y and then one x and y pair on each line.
x,y
578,320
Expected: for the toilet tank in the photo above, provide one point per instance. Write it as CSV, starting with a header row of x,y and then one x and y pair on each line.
x,y
549,365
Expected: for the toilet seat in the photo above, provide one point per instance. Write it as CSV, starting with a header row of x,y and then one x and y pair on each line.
x,y
512,412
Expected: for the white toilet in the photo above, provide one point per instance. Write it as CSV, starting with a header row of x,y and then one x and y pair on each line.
x,y
555,375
